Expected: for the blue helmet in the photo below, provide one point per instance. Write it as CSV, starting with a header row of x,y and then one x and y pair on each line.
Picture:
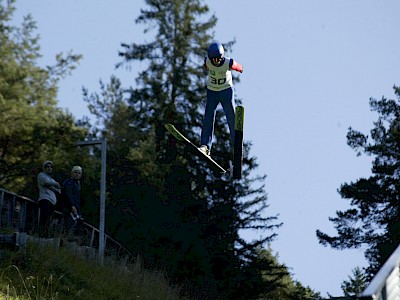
x,y
215,51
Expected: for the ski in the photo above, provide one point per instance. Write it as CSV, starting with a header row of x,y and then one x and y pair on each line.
x,y
180,137
238,147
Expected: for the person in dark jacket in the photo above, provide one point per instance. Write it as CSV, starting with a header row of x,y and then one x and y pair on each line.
x,y
72,199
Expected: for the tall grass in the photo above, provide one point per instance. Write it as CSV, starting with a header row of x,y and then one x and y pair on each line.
x,y
30,287
48,273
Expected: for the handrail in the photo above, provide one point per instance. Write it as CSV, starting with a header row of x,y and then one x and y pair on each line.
x,y
19,214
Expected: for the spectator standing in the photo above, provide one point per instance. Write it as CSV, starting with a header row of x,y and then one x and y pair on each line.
x,y
48,190
72,199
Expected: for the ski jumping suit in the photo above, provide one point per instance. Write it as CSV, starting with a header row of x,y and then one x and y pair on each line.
x,y
219,90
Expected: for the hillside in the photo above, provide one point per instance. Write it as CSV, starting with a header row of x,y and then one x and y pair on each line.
x,y
50,273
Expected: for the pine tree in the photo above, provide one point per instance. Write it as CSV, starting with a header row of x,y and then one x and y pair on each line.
x,y
373,219
279,281
356,284
165,203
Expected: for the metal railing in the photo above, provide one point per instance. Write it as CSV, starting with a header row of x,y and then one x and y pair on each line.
x,y
386,283
19,214
14,212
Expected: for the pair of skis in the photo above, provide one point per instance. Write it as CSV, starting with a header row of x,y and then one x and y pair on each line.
x,y
237,150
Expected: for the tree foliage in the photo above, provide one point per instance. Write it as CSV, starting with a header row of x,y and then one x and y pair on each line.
x,y
33,129
164,203
355,284
373,219
279,282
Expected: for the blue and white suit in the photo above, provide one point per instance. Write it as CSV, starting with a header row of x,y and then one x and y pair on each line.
x,y
219,90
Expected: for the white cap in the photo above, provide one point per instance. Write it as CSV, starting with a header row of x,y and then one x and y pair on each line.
x,y
47,162
76,168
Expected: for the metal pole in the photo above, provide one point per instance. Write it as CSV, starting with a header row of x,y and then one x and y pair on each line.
x,y
102,199
103,143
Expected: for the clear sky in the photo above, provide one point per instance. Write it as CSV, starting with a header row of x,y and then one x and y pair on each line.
x,y
310,68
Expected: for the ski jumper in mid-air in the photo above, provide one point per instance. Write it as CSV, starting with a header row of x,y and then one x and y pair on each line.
x,y
219,90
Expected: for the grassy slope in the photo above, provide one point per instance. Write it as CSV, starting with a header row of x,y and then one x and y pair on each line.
x,y
47,273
